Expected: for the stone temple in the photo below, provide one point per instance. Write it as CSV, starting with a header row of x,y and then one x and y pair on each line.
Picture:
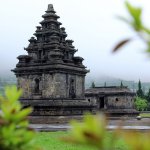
x,y
51,77
115,101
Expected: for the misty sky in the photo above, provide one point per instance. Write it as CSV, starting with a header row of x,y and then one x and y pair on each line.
x,y
93,26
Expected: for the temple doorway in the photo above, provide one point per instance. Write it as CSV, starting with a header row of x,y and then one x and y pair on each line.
x,y
101,103
37,86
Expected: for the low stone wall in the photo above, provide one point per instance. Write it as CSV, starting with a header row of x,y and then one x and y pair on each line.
x,y
53,119
122,113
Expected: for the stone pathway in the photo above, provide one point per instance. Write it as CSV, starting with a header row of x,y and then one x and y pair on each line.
x,y
132,124
46,127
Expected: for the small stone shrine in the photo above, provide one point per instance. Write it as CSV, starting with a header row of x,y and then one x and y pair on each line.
x,y
115,101
51,77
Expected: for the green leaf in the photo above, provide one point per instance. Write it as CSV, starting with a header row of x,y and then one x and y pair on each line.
x,y
135,13
146,30
14,131
23,114
12,93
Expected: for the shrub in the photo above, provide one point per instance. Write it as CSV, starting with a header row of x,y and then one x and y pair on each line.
x,y
93,132
141,104
14,131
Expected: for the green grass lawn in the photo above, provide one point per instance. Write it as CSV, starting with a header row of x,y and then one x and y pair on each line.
x,y
145,115
51,141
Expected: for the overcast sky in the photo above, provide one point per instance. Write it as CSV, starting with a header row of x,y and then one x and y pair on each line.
x,y
93,26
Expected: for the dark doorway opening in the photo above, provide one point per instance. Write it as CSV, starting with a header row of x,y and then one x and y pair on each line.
x,y
37,86
40,54
101,103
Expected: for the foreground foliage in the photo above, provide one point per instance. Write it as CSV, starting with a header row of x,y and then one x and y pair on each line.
x,y
14,131
136,23
91,134
92,131
51,141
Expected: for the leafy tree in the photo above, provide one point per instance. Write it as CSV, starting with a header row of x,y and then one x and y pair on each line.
x,y
93,85
140,92
14,127
141,104
148,96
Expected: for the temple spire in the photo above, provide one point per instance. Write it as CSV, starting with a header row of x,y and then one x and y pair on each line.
x,y
50,8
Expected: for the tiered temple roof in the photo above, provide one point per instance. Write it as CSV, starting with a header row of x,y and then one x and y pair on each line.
x,y
50,46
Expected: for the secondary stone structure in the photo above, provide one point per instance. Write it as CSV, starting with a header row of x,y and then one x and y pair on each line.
x,y
51,77
113,100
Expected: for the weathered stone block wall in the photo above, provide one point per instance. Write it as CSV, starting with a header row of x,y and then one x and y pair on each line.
x,y
80,86
120,102
48,85
33,55
92,99
54,85
25,83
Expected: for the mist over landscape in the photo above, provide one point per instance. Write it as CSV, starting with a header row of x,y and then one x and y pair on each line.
x,y
74,75
99,80
94,39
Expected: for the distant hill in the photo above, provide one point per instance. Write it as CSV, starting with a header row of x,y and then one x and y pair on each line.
x,y
99,81
6,81
110,81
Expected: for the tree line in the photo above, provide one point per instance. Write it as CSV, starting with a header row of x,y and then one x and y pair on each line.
x,y
142,101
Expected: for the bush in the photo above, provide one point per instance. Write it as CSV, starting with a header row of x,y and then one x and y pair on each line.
x,y
92,132
14,131
141,104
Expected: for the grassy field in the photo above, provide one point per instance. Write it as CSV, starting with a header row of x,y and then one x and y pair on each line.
x,y
51,141
145,115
